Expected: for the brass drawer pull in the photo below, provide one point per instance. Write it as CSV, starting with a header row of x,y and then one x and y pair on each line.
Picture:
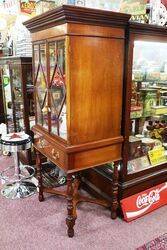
x,y
55,154
42,143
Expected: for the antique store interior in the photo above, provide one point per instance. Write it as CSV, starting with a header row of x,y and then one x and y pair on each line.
x,y
83,124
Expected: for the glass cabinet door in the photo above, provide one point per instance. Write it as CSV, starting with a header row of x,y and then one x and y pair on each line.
x,y
148,139
57,88
50,87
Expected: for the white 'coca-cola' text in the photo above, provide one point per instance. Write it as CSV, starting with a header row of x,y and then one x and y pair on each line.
x,y
148,199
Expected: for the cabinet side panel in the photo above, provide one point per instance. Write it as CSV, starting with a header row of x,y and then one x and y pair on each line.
x,y
95,76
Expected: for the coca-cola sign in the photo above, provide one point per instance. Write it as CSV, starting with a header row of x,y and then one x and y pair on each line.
x,y
144,202
148,199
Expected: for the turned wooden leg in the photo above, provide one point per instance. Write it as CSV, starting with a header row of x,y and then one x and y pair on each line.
x,y
70,220
39,176
114,203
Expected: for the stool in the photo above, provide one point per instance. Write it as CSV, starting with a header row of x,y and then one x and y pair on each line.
x,y
19,185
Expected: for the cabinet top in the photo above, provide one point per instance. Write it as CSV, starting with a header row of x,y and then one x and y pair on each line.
x,y
74,14
147,29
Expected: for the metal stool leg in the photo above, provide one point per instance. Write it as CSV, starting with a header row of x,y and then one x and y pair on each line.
x,y
19,188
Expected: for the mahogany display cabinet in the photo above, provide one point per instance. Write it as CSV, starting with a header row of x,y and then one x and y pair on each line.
x,y
144,124
78,60
145,117
17,107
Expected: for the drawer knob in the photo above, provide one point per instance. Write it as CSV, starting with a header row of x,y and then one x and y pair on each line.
x,y
55,154
42,143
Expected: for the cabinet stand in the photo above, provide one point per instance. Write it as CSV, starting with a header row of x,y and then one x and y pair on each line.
x,y
74,197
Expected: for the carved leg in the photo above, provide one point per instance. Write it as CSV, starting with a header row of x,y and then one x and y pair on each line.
x,y
114,203
70,220
39,176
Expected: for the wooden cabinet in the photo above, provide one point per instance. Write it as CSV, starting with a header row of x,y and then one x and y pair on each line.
x,y
78,77
78,58
16,89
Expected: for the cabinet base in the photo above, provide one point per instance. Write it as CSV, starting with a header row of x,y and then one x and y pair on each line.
x,y
98,181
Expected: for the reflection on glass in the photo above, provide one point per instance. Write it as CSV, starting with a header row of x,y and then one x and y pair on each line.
x,y
38,113
54,120
61,56
45,112
18,107
41,87
148,140
53,57
41,99
63,123
7,97
43,57
36,58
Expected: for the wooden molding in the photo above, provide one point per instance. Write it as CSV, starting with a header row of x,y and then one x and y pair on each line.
x,y
147,29
77,148
141,179
74,14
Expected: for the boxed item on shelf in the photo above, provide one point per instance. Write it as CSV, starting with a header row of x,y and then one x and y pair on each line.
x,y
159,110
138,75
153,76
149,99
157,156
136,112
163,76
134,147
138,164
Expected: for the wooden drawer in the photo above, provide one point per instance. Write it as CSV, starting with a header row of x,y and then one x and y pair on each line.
x,y
95,157
56,155
52,152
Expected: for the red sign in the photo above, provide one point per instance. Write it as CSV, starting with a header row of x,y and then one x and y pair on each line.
x,y
142,203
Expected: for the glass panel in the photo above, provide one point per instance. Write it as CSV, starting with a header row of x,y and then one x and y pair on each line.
x,y
63,123
57,101
53,57
61,55
39,112
7,97
45,112
18,107
30,95
148,140
41,99
36,58
41,86
43,57
54,119
58,89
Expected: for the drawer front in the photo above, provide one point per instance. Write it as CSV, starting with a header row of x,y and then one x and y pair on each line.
x,y
95,157
52,152
56,155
